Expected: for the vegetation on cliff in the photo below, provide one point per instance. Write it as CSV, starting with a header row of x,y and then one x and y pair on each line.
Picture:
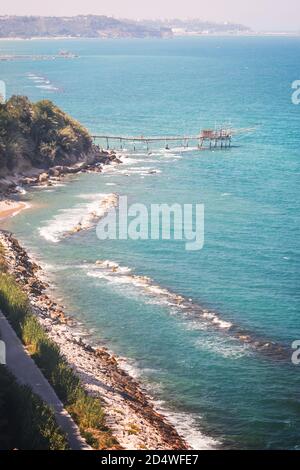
x,y
87,411
39,135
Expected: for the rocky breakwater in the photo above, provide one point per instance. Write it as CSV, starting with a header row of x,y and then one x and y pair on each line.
x,y
130,412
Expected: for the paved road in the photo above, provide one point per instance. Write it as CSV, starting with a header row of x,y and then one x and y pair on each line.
x,y
26,372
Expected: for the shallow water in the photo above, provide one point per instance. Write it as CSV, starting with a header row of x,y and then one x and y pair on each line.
x,y
247,274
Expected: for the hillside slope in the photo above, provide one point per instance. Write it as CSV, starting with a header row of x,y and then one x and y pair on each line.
x,y
82,26
39,135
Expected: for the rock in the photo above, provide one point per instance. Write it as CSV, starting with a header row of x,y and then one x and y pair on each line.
x,y
27,181
43,177
56,171
6,185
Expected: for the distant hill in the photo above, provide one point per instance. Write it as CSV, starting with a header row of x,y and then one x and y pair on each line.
x,y
196,26
89,26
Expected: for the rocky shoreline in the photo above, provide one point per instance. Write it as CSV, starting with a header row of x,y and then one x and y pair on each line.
x,y
130,413
13,184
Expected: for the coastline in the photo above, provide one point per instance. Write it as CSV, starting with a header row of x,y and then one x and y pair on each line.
x,y
9,208
11,187
133,417
131,413
175,36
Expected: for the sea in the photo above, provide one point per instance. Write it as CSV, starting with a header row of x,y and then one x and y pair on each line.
x,y
170,314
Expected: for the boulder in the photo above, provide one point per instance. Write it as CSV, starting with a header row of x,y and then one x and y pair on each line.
x,y
43,178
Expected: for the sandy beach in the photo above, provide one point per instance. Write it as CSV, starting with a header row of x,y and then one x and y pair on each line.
x,y
13,185
9,208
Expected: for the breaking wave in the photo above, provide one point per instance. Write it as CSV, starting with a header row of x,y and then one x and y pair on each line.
x,y
82,216
186,424
42,82
130,284
122,276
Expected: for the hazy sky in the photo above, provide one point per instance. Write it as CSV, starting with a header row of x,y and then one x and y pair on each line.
x,y
259,14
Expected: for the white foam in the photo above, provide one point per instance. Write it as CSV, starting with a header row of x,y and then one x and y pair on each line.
x,y
142,170
42,82
187,427
80,217
181,149
21,190
223,347
114,267
135,285
47,87
186,424
213,317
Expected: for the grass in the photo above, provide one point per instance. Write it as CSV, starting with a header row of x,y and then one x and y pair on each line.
x,y
26,422
87,411
133,429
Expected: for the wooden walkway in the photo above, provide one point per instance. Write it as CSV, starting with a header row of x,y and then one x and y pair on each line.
x,y
207,138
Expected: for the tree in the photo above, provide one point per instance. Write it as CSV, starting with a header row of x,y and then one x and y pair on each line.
x,y
40,133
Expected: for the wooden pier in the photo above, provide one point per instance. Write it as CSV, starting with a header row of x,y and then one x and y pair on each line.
x,y
207,139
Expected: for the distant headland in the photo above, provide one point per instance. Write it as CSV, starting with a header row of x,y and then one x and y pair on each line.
x,y
93,26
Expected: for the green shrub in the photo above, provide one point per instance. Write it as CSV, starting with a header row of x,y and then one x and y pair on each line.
x,y
40,132
31,332
26,422
65,382
87,411
13,301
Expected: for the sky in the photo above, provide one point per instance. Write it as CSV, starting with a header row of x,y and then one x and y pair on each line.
x,y
258,14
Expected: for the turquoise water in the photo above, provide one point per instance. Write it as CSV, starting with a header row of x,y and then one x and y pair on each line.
x,y
219,391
